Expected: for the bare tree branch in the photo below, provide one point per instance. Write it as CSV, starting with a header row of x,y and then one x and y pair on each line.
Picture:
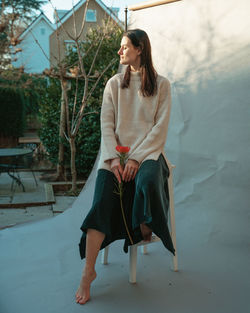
x,y
84,19
80,60
58,20
64,85
94,59
85,100
58,43
97,81
74,107
74,19
66,136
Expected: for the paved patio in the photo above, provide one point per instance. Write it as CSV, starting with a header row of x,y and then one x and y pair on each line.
x,y
19,212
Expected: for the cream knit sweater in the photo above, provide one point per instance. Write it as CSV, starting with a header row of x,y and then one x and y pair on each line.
x,y
129,119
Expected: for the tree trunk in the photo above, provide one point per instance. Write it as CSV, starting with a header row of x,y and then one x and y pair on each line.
x,y
73,164
60,175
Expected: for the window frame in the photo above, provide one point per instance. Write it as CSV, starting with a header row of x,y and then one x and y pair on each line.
x,y
92,19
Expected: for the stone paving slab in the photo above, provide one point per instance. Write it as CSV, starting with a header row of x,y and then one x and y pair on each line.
x,y
14,217
62,203
11,217
32,192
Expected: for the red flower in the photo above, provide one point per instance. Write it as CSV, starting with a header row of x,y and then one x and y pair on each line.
x,y
122,149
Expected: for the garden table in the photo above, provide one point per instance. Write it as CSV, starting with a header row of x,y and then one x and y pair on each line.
x,y
11,162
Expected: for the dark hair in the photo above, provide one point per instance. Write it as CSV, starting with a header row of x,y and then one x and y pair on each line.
x,y
139,39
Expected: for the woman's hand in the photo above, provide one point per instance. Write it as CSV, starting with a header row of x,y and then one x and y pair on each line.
x,y
117,169
130,170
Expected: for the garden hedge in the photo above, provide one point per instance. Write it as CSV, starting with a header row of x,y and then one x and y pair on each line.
x,y
12,114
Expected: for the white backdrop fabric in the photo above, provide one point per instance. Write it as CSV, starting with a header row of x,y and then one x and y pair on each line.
x,y
203,47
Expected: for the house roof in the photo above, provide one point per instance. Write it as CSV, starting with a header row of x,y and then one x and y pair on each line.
x,y
42,16
101,4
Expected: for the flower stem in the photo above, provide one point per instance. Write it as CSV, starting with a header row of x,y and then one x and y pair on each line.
x,y
123,216
123,155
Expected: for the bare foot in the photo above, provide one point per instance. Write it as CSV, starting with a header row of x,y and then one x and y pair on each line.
x,y
146,232
83,292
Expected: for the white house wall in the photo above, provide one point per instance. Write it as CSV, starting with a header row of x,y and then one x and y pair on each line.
x,y
32,56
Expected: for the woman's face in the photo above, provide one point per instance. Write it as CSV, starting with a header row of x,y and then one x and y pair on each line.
x,y
129,54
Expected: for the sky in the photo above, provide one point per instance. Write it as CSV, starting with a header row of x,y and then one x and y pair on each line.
x,y
67,4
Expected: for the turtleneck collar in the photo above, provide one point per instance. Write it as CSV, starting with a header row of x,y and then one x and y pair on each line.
x,y
135,75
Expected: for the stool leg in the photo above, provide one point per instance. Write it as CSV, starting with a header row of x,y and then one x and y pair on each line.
x,y
132,263
105,253
172,218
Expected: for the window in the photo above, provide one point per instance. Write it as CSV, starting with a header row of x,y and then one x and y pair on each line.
x,y
91,16
42,31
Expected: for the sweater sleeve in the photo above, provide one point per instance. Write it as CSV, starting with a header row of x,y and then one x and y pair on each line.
x,y
108,125
156,138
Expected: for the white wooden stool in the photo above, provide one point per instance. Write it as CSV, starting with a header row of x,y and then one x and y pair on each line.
x,y
143,244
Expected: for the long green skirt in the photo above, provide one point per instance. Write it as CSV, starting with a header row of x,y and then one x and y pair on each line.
x,y
145,199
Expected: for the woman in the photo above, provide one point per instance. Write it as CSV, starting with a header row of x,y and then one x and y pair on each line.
x,y
135,113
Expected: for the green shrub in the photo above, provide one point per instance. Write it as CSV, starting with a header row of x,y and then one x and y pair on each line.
x,y
20,94
87,141
12,115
